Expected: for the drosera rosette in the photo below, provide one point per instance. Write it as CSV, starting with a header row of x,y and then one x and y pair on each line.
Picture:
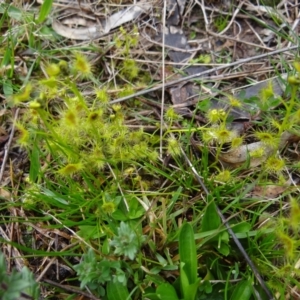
x,y
69,126
289,243
234,102
71,169
81,66
54,85
171,116
52,69
102,95
125,91
173,146
237,142
23,96
126,40
258,152
224,135
274,164
215,116
50,87
218,134
130,70
294,213
95,158
295,120
267,92
223,176
268,139
23,135
108,207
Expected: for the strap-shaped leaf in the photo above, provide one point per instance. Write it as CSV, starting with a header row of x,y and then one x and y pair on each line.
x,y
211,219
117,291
187,252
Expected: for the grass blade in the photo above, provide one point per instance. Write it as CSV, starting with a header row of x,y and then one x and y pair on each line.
x,y
45,10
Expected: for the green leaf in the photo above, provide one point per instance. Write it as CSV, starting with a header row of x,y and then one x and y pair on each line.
x,y
175,197
117,291
241,227
12,11
8,57
170,268
184,281
161,259
53,198
206,286
187,252
34,163
188,291
151,296
45,10
243,291
211,219
119,215
8,88
223,249
216,294
191,291
105,247
135,209
48,33
88,232
17,282
166,292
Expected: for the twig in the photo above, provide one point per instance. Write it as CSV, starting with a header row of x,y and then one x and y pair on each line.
x,y
71,289
200,74
163,81
233,18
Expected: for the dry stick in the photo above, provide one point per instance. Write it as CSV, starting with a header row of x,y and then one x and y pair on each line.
x,y
71,289
163,82
174,82
234,237
295,25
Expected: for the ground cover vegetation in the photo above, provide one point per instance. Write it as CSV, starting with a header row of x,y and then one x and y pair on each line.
x,y
140,199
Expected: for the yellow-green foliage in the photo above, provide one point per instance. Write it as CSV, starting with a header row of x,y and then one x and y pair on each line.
x,y
82,133
124,44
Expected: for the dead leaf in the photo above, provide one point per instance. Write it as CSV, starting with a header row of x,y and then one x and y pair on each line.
x,y
268,191
237,156
5,194
96,31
